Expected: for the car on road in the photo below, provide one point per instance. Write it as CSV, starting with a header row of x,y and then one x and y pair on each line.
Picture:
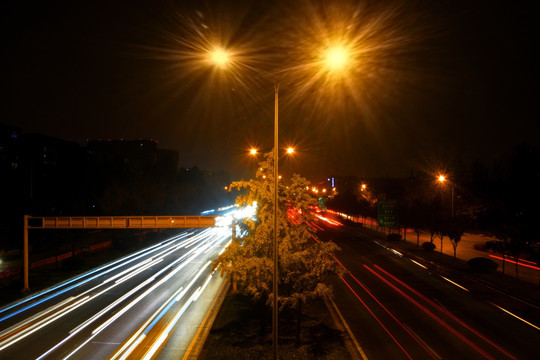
x,y
494,245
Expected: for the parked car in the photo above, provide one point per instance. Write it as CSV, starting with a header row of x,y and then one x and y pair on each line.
x,y
495,245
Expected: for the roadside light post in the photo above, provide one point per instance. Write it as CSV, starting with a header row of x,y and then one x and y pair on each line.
x,y
334,61
276,229
442,179
290,150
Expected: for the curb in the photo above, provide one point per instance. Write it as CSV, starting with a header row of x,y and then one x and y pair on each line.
x,y
354,348
194,349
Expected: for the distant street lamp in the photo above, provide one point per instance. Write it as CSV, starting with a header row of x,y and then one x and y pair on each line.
x,y
334,61
219,57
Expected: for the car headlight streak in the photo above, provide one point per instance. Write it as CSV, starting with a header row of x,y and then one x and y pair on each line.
x,y
128,268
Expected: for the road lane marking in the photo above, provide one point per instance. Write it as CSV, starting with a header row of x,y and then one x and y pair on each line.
x,y
207,322
423,342
342,323
517,317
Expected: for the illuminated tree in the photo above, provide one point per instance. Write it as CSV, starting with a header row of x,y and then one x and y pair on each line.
x,y
303,259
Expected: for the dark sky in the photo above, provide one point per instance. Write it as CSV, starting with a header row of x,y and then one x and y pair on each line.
x,y
430,81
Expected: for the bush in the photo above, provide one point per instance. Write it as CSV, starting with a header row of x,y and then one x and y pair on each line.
x,y
428,246
482,265
393,237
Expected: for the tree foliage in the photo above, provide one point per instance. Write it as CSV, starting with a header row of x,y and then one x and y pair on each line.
x,y
303,259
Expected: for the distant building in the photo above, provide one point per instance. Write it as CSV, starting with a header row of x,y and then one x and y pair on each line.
x,y
41,175
32,164
128,156
135,157
50,157
167,161
10,149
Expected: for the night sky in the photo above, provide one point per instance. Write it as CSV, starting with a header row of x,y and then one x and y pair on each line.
x,y
429,81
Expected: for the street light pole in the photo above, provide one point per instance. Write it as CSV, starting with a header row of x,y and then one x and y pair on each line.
x,y
335,60
452,208
275,244
442,179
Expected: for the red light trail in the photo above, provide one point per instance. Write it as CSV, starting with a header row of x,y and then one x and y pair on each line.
x,y
440,308
439,320
376,318
520,262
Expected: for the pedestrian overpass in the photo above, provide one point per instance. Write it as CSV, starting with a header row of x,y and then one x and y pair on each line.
x,y
109,222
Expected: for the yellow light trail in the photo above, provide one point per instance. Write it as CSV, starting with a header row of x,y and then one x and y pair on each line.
x,y
454,283
517,317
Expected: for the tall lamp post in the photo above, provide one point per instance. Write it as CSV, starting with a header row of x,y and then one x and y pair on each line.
x,y
276,229
275,277
442,179
334,61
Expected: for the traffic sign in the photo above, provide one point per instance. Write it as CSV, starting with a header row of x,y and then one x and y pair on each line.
x,y
388,213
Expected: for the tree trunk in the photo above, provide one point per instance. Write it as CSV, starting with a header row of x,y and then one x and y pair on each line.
x,y
298,324
504,261
234,285
455,247
262,312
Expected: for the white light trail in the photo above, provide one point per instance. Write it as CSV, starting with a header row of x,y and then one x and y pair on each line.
x,y
206,240
517,317
196,252
161,339
135,339
200,290
454,283
150,323
32,329
123,260
33,318
94,318
396,252
417,263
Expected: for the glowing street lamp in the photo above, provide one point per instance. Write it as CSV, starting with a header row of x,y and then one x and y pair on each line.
x,y
336,58
334,61
219,57
254,152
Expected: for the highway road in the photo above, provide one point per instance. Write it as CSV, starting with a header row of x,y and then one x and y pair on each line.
x,y
468,248
399,309
142,306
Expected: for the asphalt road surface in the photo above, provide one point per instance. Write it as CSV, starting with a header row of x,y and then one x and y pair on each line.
x,y
398,309
138,307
